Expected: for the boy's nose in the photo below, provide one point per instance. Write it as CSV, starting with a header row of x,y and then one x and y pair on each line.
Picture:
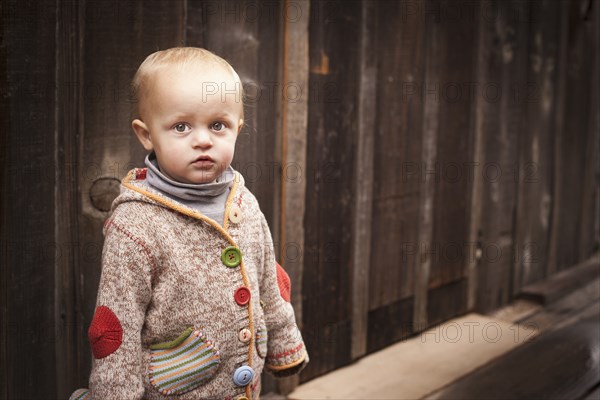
x,y
201,138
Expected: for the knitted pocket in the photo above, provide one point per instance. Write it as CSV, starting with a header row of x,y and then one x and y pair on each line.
x,y
261,340
183,364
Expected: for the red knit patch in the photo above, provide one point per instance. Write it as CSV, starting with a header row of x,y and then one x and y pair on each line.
x,y
105,332
140,173
283,281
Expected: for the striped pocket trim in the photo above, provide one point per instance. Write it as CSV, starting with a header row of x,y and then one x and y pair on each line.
x,y
261,341
81,394
183,364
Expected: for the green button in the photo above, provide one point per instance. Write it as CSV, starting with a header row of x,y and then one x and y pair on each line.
x,y
231,256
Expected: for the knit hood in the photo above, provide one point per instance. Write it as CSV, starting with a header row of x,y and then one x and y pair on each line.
x,y
134,188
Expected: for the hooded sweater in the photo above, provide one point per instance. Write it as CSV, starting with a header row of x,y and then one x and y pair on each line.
x,y
188,307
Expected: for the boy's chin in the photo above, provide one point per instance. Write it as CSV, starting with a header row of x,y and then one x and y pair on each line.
x,y
202,177
197,178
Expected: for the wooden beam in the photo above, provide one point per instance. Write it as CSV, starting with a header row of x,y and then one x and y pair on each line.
x,y
478,157
4,231
28,87
534,191
361,243
69,329
427,186
561,91
564,353
564,282
589,227
293,150
595,123
506,66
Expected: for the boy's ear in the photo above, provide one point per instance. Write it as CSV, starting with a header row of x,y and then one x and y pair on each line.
x,y
142,133
240,125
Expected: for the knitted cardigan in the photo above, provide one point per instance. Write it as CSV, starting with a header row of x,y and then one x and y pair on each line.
x,y
188,308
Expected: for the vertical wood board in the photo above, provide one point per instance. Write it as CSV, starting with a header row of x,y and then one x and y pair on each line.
x,y
330,181
29,247
397,167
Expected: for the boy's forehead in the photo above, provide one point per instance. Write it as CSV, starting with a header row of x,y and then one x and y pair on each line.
x,y
194,80
194,83
205,74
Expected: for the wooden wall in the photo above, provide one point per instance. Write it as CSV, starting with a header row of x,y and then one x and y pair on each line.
x,y
415,159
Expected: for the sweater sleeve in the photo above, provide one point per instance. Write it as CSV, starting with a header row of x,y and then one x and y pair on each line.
x,y
286,352
123,295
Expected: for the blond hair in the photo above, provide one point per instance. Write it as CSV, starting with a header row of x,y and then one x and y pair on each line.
x,y
182,58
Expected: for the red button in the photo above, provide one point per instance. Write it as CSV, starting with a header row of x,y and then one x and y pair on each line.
x,y
242,295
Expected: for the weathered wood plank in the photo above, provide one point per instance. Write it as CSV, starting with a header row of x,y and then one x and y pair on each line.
x,y
294,144
573,140
566,281
560,365
28,244
363,211
4,208
478,158
268,104
330,158
558,132
589,226
534,191
431,105
595,122
3,271
507,67
70,333
582,302
454,91
397,167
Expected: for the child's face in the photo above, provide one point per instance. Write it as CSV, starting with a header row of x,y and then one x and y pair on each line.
x,y
191,119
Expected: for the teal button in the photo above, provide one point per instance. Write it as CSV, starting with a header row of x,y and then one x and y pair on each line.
x,y
231,256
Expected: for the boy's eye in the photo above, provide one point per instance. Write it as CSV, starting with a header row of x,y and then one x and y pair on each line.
x,y
180,128
217,126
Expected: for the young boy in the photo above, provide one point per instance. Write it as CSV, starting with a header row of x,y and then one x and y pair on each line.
x,y
191,302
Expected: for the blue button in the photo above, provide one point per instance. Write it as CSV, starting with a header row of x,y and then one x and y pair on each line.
x,y
243,375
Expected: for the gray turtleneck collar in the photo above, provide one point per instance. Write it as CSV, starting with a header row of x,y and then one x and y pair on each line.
x,y
208,198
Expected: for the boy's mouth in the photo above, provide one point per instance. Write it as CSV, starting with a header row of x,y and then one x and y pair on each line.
x,y
203,161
